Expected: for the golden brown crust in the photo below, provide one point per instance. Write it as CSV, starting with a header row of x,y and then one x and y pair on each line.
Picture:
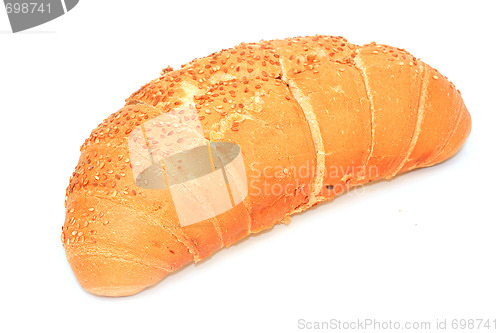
x,y
442,107
112,245
323,66
393,79
313,116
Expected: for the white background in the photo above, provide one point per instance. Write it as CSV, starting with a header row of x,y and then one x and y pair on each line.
x,y
420,247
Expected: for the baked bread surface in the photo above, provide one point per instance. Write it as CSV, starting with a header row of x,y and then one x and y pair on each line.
x,y
313,116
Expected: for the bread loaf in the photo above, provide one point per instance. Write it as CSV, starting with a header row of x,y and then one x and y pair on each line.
x,y
236,142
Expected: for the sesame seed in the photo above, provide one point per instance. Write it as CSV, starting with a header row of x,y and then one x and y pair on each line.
x,y
435,77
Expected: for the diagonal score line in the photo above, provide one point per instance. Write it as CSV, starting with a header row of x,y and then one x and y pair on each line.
x,y
224,174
